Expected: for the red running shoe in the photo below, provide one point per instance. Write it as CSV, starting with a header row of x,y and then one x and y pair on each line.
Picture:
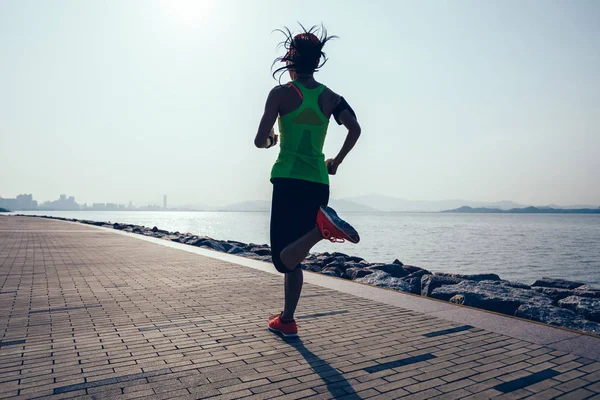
x,y
335,229
288,329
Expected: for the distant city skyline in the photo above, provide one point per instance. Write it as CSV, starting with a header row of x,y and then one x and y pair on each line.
x,y
365,203
25,202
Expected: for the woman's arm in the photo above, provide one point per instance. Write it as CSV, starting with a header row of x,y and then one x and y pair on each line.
x,y
265,128
348,119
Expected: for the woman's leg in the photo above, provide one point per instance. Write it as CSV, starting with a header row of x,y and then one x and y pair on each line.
x,y
294,253
292,290
294,232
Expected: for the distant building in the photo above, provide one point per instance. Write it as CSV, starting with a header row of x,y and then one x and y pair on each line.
x,y
165,201
9,204
63,203
21,203
25,202
98,206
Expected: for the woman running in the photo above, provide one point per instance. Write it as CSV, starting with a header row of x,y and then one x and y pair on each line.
x,y
300,217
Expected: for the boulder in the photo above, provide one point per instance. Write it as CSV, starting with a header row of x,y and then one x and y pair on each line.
x,y
414,281
348,258
557,316
584,306
431,282
235,250
490,295
336,264
238,244
261,251
553,293
587,291
330,273
516,285
458,299
314,264
556,283
395,270
355,273
336,271
210,244
383,279
472,277
171,237
411,269
397,262
311,267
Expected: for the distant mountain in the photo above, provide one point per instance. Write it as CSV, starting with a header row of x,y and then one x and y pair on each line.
x,y
347,206
343,206
393,204
526,210
194,207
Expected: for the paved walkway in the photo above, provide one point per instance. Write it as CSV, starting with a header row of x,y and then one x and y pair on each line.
x,y
89,313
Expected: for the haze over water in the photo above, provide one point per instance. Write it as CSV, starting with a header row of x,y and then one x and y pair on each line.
x,y
516,247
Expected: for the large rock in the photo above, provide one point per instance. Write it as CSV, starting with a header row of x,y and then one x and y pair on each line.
x,y
412,269
458,299
337,264
557,316
584,306
559,294
355,273
311,267
517,285
261,251
432,282
235,250
332,271
208,243
171,237
556,283
490,295
238,244
395,270
414,280
587,291
383,279
471,277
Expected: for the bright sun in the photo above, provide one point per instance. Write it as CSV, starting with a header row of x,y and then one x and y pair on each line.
x,y
189,11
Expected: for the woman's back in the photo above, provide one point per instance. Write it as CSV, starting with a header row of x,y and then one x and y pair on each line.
x,y
303,127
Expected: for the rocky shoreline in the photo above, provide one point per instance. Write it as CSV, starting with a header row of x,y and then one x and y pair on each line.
x,y
558,302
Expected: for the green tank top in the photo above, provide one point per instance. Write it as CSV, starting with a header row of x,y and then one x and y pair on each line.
x,y
301,137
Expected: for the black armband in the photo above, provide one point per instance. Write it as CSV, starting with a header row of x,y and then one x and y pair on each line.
x,y
343,105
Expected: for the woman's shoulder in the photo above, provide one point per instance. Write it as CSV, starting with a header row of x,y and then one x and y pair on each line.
x,y
331,96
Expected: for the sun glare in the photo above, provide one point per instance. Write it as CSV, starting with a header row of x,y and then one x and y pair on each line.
x,y
189,11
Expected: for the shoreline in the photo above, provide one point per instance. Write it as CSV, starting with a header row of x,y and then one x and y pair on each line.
x,y
557,302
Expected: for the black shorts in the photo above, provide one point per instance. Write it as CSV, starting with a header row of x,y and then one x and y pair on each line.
x,y
293,212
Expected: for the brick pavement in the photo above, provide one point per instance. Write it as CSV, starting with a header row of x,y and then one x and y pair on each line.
x,y
88,313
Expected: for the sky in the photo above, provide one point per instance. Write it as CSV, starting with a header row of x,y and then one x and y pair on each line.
x,y
112,101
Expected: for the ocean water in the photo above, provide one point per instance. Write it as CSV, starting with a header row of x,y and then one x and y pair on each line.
x,y
519,247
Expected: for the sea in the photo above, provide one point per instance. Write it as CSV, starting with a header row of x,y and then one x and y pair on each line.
x,y
517,247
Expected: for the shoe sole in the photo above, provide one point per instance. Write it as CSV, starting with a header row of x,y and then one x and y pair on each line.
x,y
344,227
281,333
